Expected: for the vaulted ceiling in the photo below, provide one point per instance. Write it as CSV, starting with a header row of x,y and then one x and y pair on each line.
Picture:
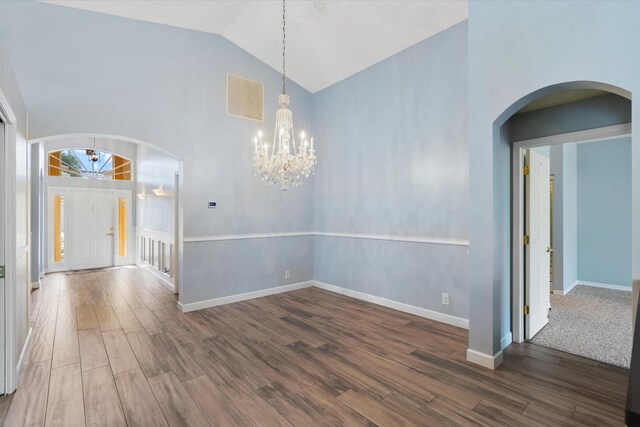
x,y
327,41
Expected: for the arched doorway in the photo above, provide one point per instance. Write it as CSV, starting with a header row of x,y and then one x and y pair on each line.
x,y
509,184
155,181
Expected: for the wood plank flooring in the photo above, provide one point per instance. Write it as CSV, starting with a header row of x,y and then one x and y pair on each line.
x,y
110,349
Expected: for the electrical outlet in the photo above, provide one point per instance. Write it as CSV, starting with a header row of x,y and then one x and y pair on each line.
x,y
287,274
445,298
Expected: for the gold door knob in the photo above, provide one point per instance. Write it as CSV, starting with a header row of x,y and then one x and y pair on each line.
x,y
549,249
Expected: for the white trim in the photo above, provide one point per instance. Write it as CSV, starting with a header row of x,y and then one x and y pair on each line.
x,y
517,203
583,136
491,362
164,280
22,251
199,305
161,236
244,236
6,113
35,285
8,193
506,340
393,238
104,136
23,355
418,311
605,286
566,291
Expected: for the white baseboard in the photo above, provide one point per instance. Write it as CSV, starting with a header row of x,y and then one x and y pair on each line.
x,y
482,359
35,285
418,311
165,282
506,341
605,285
241,297
23,355
566,291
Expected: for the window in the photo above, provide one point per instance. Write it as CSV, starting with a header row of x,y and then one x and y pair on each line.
x,y
89,164
58,229
122,222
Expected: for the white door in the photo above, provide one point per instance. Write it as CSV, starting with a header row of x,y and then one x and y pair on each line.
x,y
537,252
89,229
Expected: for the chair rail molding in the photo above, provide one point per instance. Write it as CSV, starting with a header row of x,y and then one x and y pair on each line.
x,y
391,238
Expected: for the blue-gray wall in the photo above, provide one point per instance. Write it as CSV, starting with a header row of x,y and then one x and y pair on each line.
x,y
604,212
155,170
84,72
569,226
510,65
600,111
562,159
393,162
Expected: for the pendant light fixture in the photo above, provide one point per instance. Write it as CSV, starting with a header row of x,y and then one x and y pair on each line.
x,y
286,162
93,155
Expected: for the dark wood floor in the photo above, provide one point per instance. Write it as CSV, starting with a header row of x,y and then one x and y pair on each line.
x,y
111,349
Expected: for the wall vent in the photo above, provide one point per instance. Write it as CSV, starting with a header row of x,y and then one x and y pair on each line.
x,y
245,98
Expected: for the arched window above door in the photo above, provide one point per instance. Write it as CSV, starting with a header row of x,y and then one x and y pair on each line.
x,y
89,163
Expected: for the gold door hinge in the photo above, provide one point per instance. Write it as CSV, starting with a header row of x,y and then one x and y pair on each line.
x,y
525,239
526,170
526,310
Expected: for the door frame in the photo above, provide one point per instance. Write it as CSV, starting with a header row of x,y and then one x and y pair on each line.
x,y
517,211
52,267
12,365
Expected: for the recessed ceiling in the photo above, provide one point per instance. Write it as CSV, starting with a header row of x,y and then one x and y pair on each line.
x,y
327,41
561,98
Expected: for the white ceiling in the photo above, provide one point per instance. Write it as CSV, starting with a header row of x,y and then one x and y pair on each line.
x,y
327,40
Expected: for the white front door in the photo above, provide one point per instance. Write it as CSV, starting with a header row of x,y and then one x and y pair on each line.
x,y
537,228
89,229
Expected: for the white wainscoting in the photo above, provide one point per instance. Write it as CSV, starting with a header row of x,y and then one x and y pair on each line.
x,y
152,247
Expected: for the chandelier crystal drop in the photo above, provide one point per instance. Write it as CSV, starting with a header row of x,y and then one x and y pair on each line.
x,y
286,162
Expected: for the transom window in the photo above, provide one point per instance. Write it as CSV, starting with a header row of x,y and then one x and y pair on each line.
x,y
89,163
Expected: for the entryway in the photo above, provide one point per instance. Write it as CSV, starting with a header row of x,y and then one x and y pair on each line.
x,y
88,228
586,309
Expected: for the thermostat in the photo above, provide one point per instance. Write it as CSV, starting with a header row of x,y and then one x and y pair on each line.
x,y
212,205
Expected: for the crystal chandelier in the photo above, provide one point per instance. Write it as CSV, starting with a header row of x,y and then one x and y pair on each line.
x,y
286,162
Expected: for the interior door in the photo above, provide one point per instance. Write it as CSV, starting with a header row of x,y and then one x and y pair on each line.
x,y
89,229
537,252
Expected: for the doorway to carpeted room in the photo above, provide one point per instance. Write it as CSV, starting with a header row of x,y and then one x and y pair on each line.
x,y
592,322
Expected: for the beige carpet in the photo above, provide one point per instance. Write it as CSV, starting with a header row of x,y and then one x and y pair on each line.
x,y
590,322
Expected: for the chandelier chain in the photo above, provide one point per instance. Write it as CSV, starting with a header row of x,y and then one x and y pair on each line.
x,y
286,162
284,48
